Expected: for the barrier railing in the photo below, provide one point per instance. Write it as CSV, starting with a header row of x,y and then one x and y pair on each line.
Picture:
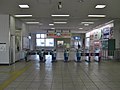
x,y
117,54
110,54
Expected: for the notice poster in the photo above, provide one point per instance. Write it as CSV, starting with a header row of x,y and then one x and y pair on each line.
x,y
97,34
2,46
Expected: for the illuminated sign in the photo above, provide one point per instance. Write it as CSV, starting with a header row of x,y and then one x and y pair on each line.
x,y
59,35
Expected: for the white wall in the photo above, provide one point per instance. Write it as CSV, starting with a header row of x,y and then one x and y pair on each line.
x,y
32,42
8,26
4,38
25,32
12,25
12,39
25,35
24,38
18,24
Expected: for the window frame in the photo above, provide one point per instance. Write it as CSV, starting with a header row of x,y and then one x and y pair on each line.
x,y
45,38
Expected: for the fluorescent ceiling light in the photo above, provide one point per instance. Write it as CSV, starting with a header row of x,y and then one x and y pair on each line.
x,y
23,15
87,22
96,15
80,28
60,15
51,24
32,22
52,28
60,22
100,6
24,6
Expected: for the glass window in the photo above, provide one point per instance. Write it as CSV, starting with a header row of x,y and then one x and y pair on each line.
x,y
40,42
37,35
50,42
43,35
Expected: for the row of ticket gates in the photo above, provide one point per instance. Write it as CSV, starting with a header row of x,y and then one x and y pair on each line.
x,y
78,55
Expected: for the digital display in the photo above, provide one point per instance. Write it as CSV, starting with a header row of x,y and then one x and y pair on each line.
x,y
76,38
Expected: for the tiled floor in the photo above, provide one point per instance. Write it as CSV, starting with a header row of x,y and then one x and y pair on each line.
x,y
63,76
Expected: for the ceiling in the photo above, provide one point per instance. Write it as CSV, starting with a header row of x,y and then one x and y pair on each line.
x,y
78,11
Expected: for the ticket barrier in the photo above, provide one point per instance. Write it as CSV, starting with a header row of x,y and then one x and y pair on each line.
x,y
87,56
96,56
66,55
78,56
42,55
54,55
27,54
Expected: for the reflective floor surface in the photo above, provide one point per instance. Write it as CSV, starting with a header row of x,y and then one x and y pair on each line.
x,y
33,75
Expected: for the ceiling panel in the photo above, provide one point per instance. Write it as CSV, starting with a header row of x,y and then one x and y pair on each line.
x,y
78,11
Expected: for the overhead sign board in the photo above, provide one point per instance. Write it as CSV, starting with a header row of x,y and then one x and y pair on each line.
x,y
59,35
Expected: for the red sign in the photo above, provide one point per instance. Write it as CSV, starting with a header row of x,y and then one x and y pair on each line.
x,y
63,35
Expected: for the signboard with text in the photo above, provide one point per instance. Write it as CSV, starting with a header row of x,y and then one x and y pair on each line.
x,y
59,35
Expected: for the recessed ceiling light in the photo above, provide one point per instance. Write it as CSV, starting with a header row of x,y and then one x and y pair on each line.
x,y
100,6
60,22
96,15
24,6
80,28
23,15
51,24
60,15
87,22
32,22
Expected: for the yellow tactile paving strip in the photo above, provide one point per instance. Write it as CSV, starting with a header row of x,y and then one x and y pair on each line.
x,y
14,75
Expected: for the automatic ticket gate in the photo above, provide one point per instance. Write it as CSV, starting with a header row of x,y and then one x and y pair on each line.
x,y
87,57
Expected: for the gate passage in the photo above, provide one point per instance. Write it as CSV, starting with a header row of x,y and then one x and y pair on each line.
x,y
87,56
96,56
